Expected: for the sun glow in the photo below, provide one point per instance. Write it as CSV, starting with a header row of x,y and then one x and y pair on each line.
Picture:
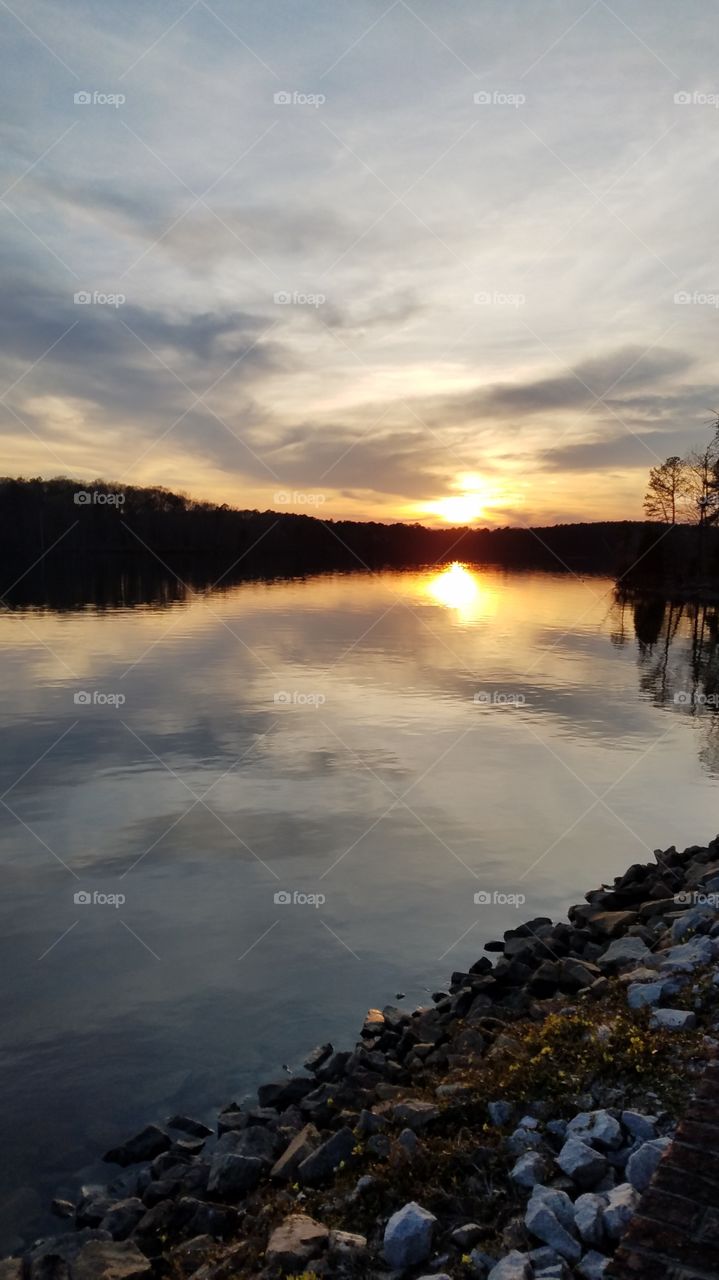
x,y
458,589
466,506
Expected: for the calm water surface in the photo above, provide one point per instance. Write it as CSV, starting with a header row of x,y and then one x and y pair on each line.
x,y
396,743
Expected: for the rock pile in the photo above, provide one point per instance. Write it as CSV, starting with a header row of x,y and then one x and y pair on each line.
x,y
332,1171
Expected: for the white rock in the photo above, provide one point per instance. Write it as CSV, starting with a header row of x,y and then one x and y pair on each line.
x,y
621,1206
408,1236
585,1166
597,1129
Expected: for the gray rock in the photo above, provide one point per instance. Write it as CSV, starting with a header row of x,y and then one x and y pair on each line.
x,y
644,995
530,1169
689,956
621,1206
516,1266
639,1126
588,1214
597,1129
544,1224
408,1236
415,1115
62,1208
186,1124
480,1264
321,1163
233,1175
559,1203
642,1165
123,1217
623,952
585,1166
120,1260
523,1140
557,1271
317,1057
673,1019
144,1146
593,1266
301,1146
500,1113
346,1245
466,1236
296,1241
698,920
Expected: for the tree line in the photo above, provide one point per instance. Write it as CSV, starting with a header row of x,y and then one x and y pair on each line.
x,y
686,490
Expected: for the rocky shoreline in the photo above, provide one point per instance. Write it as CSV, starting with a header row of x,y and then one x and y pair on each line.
x,y
504,1132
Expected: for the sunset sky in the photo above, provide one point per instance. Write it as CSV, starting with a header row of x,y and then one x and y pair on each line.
x,y
442,262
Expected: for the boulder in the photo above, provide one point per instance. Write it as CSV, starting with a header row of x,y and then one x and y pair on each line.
x,y
642,1165
689,956
317,1057
415,1115
623,952
295,1242
597,1129
500,1113
147,1144
466,1236
346,1245
640,1126
233,1175
186,1124
588,1215
530,1170
120,1260
543,1223
123,1217
585,1166
644,995
280,1094
408,1236
594,1266
673,1019
301,1146
516,1266
621,1206
322,1162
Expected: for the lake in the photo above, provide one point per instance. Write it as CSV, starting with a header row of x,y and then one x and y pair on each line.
x,y
233,820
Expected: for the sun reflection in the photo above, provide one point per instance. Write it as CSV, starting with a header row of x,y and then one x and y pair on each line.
x,y
459,589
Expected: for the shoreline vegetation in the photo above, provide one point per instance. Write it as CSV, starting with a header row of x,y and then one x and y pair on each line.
x,y
506,1130
64,543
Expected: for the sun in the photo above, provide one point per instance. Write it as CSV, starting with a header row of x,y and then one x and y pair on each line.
x,y
466,506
